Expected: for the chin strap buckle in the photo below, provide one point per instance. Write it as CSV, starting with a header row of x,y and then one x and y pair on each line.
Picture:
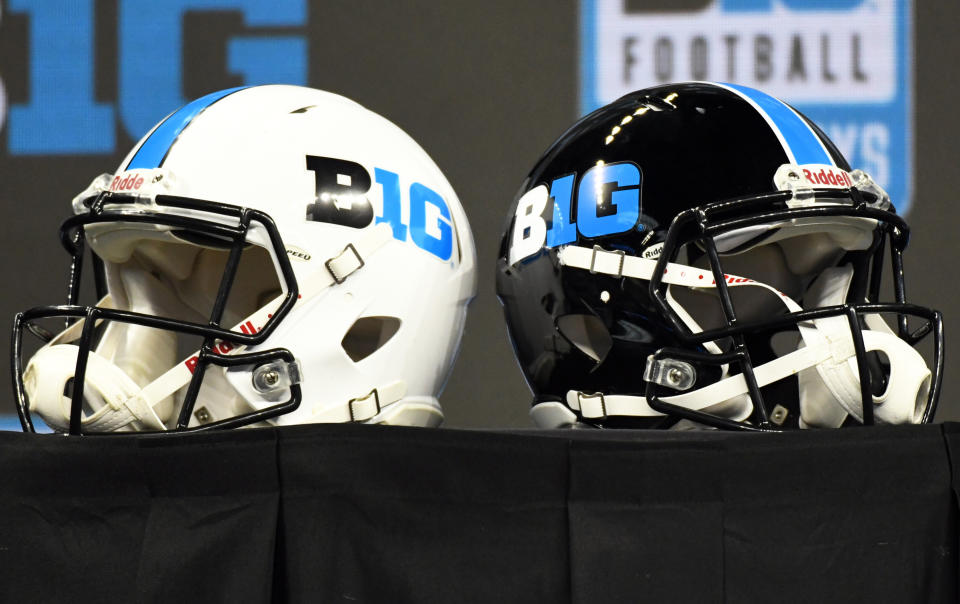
x,y
364,412
342,265
605,259
588,397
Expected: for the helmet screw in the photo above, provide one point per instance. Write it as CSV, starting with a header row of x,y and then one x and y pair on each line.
x,y
793,175
270,378
779,415
202,415
674,376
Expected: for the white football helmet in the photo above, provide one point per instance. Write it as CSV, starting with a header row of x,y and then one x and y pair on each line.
x,y
265,255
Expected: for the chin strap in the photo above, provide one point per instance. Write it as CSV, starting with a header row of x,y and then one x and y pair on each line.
x,y
827,345
355,410
125,401
109,385
362,408
709,398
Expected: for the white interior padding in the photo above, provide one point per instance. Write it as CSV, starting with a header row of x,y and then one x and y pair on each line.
x,y
818,406
142,353
843,232
193,275
160,277
772,264
762,281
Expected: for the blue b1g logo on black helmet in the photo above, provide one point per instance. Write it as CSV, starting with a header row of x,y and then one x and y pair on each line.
x,y
607,202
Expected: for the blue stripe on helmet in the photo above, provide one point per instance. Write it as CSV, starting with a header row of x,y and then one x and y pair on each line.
x,y
801,141
153,150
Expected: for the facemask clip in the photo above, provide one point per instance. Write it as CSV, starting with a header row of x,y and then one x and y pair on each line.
x,y
276,376
865,184
678,375
790,178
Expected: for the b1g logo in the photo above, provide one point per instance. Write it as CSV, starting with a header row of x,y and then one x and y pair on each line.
x,y
341,198
846,64
607,202
63,112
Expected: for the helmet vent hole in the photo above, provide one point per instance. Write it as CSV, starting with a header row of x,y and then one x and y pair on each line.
x,y
588,334
368,335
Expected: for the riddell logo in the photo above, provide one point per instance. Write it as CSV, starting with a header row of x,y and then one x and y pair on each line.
x,y
223,347
130,182
828,177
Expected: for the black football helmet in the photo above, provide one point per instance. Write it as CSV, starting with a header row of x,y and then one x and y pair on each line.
x,y
702,254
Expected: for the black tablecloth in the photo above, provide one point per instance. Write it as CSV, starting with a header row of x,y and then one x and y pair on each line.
x,y
343,513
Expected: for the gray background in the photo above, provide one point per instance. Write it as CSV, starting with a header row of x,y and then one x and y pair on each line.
x,y
484,87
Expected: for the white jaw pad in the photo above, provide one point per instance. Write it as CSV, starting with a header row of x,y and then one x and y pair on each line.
x,y
909,382
411,411
818,408
549,415
834,390
107,389
901,403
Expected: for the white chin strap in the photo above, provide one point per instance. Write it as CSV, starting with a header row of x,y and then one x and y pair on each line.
x,y
116,402
107,390
825,360
386,404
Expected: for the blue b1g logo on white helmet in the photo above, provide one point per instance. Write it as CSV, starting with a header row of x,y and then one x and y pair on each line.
x,y
608,202
846,64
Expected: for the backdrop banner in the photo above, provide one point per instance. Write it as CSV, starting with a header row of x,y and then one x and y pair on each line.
x,y
846,64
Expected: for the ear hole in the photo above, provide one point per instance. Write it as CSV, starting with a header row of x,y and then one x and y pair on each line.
x,y
588,334
879,365
367,335
86,410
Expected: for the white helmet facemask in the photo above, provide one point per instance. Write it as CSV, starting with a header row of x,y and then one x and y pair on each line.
x,y
127,358
133,381
151,272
